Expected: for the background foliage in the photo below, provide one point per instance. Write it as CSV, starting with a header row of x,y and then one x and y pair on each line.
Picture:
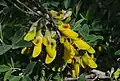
x,y
97,21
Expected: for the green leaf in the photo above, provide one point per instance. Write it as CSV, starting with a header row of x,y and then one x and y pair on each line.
x,y
85,29
78,6
24,79
15,78
66,3
3,3
5,48
93,38
27,78
55,4
4,68
18,35
57,77
99,37
81,78
77,28
29,68
78,22
89,13
7,74
117,52
77,25
22,43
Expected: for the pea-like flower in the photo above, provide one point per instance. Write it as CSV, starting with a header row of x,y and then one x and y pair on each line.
x,y
83,45
87,60
66,31
68,52
31,33
37,44
51,51
57,15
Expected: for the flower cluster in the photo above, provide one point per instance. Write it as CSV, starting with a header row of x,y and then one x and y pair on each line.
x,y
77,52
35,35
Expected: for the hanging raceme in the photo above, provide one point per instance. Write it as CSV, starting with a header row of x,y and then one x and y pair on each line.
x,y
73,45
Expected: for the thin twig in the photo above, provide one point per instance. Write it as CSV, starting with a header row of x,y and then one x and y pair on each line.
x,y
19,8
70,79
94,78
27,7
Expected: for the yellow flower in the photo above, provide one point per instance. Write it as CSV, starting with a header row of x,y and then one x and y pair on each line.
x,y
47,37
88,61
67,15
117,73
68,52
85,58
73,74
62,39
91,50
82,63
83,45
57,15
67,58
51,51
31,33
66,31
38,44
48,59
92,64
77,69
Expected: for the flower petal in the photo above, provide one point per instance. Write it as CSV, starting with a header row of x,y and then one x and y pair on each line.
x,y
85,58
30,35
32,32
66,31
81,44
73,74
38,46
91,50
37,50
77,69
92,64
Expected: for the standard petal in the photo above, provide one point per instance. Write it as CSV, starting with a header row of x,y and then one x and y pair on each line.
x,y
32,32
81,44
30,35
66,31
